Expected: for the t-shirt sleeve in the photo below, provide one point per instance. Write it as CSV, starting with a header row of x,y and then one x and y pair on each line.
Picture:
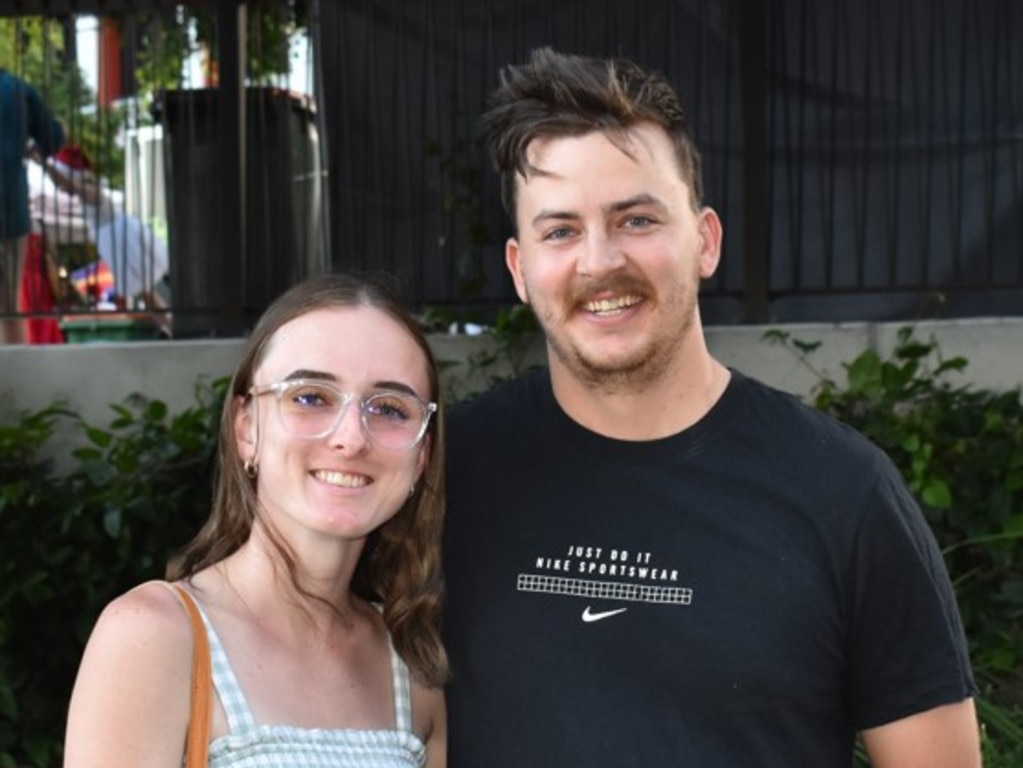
x,y
907,649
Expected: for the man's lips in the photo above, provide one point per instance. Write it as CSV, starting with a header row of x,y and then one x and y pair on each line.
x,y
612,305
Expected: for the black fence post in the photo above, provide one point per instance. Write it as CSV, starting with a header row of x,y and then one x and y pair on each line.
x,y
755,159
231,27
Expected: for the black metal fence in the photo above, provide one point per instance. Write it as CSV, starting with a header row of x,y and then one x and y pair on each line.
x,y
866,158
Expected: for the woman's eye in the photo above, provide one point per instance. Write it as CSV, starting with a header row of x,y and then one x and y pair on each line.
x,y
311,397
390,408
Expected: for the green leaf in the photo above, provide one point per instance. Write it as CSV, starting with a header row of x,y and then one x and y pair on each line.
x,y
112,521
914,350
87,454
8,704
864,372
157,411
936,494
98,436
953,364
806,347
39,749
1014,480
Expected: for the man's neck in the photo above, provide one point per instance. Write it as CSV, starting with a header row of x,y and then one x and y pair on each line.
x,y
655,409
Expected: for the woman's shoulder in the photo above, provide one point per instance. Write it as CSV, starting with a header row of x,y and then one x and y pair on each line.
x,y
147,620
131,694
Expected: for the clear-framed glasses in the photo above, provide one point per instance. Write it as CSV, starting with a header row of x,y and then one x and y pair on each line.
x,y
311,409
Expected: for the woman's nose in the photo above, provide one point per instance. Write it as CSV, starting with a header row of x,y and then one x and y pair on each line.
x,y
348,433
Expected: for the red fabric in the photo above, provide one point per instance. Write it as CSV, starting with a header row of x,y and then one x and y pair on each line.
x,y
36,295
74,157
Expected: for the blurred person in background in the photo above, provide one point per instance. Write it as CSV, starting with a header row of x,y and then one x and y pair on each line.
x,y
126,245
26,125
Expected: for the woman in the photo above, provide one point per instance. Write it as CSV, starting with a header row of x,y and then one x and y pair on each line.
x,y
321,554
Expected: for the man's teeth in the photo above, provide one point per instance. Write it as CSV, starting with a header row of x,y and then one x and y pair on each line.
x,y
608,306
341,479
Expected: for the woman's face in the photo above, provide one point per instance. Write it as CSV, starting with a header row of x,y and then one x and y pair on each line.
x,y
343,483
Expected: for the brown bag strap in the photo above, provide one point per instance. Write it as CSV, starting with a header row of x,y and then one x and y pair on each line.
x,y
198,741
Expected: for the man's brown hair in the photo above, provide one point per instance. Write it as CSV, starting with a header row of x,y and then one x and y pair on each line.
x,y
560,95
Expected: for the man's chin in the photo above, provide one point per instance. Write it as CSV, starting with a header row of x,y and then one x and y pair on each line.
x,y
606,370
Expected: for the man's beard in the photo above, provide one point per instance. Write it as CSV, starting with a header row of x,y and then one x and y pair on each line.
x,y
635,372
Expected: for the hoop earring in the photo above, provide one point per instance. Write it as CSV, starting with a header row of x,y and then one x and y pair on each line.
x,y
251,468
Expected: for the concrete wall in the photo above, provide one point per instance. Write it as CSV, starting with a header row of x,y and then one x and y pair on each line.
x,y
90,377
993,348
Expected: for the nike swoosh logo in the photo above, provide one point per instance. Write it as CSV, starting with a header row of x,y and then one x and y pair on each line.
x,y
589,616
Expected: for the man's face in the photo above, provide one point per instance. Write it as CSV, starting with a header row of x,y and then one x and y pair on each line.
x,y
610,253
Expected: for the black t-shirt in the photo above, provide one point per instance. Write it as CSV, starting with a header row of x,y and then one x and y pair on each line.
x,y
749,592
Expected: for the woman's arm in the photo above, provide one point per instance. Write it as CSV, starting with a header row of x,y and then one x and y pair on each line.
x,y
431,723
130,702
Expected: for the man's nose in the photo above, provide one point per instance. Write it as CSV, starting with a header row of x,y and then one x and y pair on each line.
x,y
601,254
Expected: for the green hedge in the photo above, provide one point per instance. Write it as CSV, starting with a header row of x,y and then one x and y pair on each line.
x,y
71,540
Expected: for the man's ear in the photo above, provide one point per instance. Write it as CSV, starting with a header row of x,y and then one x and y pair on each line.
x,y
710,242
514,264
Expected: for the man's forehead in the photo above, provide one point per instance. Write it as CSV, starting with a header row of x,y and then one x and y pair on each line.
x,y
627,141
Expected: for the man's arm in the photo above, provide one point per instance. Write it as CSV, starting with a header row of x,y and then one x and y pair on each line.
x,y
943,737
46,130
81,183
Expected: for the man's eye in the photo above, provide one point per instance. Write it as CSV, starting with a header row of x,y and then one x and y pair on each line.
x,y
558,233
637,222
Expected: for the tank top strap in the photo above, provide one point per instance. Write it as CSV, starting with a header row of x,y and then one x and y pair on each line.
x,y
402,691
232,697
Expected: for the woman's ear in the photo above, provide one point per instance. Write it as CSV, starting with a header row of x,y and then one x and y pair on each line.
x,y
423,456
245,431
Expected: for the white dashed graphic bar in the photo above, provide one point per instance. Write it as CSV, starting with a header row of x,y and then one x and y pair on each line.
x,y
604,590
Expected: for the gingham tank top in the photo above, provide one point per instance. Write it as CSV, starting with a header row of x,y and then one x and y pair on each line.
x,y
250,745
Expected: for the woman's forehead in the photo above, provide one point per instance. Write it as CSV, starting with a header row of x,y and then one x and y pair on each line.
x,y
350,343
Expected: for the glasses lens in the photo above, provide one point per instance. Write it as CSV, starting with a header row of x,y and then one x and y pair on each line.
x,y
394,420
309,409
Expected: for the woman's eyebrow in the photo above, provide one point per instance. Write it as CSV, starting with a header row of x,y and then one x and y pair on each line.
x,y
305,373
397,386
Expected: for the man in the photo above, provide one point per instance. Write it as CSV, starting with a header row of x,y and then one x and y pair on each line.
x,y
127,244
653,560
25,123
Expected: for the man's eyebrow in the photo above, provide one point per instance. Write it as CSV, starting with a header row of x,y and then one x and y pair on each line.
x,y
643,198
552,215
